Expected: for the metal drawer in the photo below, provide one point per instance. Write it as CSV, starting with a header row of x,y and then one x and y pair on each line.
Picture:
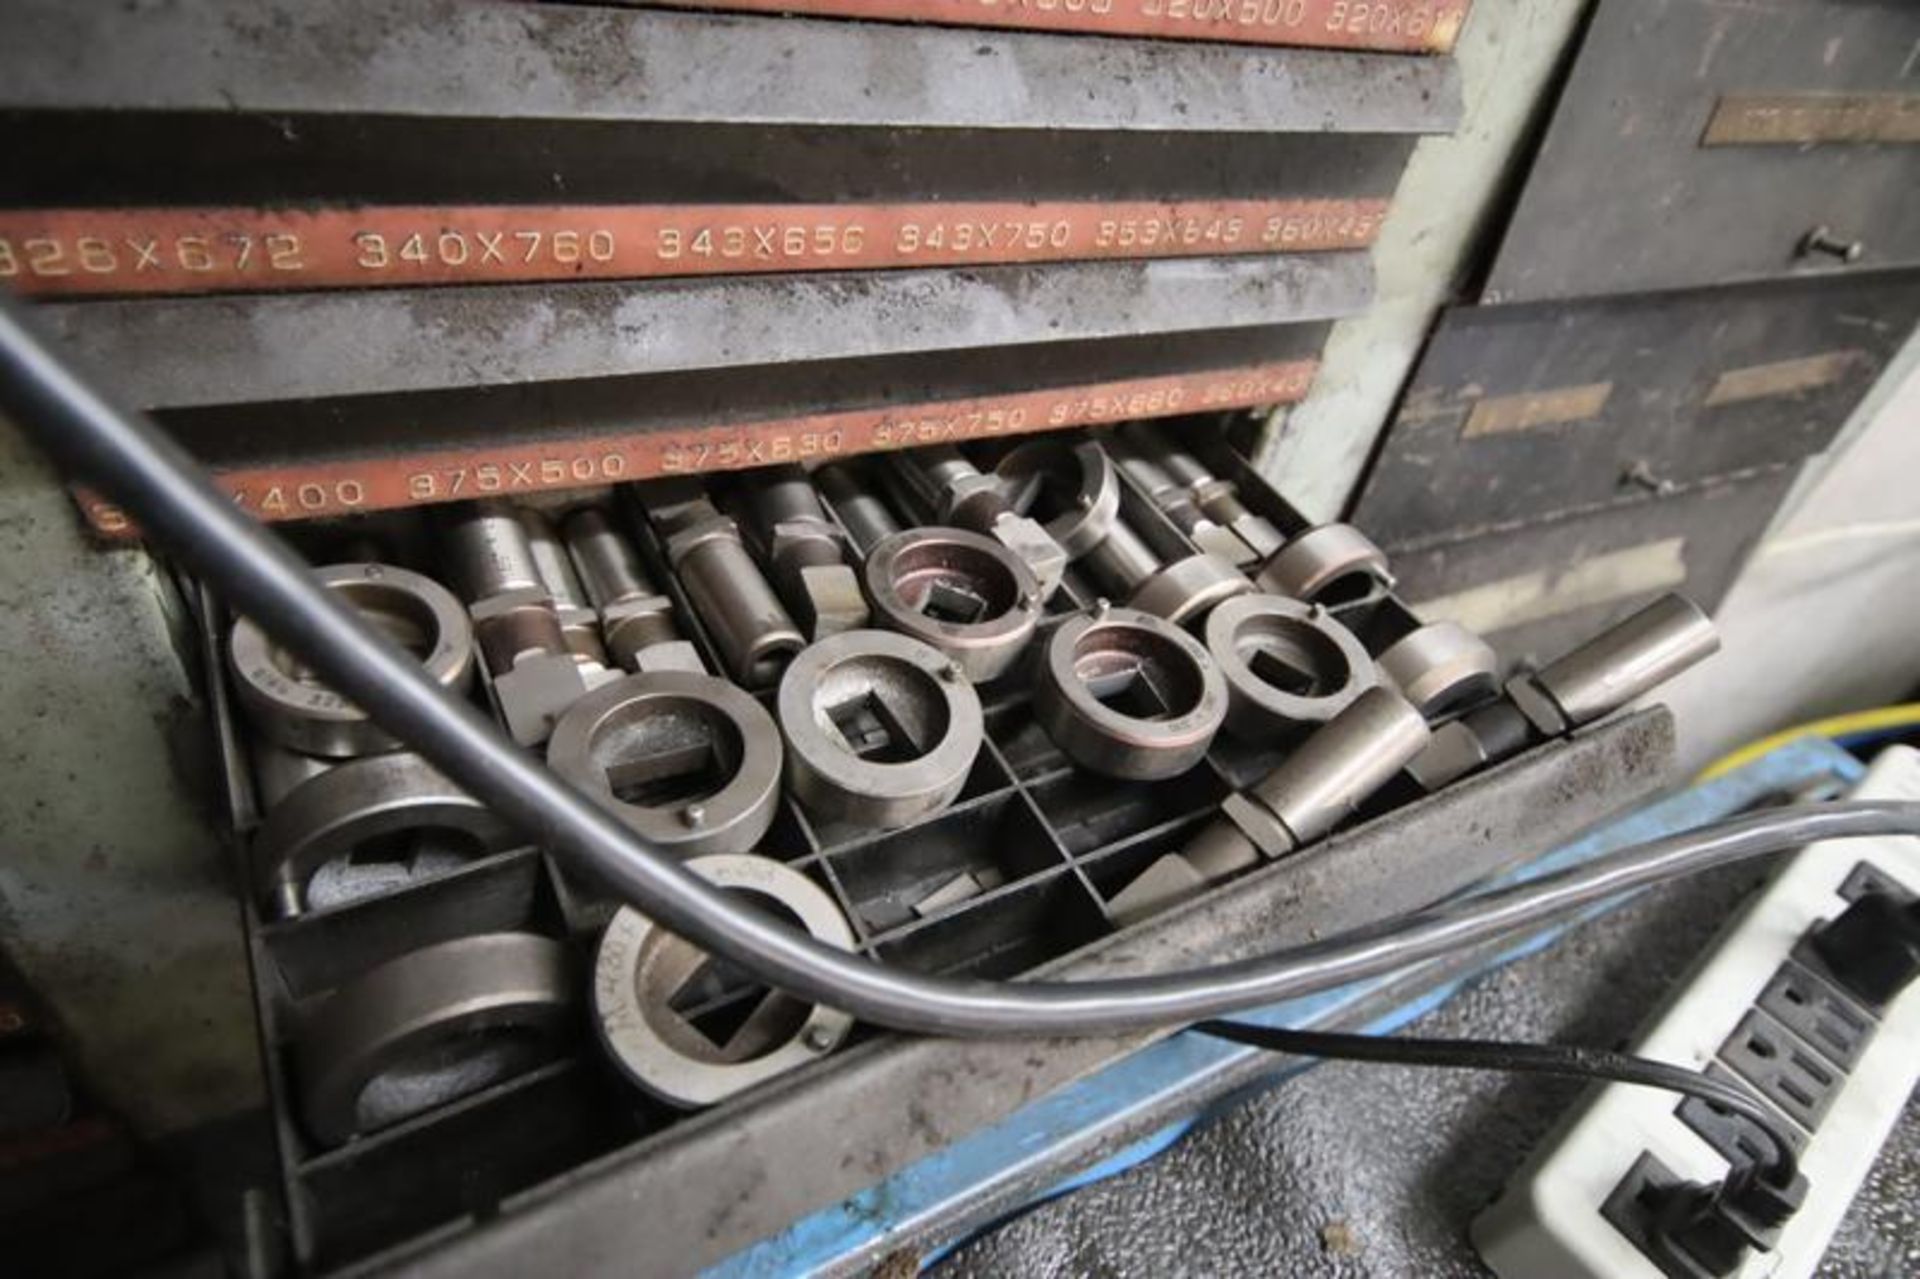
x,y
1535,589
1699,142
1528,412
525,1172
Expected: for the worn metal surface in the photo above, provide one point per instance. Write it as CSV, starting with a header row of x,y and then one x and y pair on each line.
x,y
1288,666
729,594
1440,667
634,617
409,471
1073,488
1656,97
86,252
134,159
706,1183
1334,773
1797,119
1523,412
114,897
960,592
1185,589
1328,560
1128,695
286,704
1619,665
638,733
881,728
641,970
495,60
172,353
1410,26
1535,590
447,997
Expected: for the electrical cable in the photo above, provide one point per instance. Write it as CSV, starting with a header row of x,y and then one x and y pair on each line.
x,y
1905,715
129,460
1568,1061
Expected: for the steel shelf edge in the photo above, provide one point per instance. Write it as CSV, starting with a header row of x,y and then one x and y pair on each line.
x,y
185,352
499,61
854,1121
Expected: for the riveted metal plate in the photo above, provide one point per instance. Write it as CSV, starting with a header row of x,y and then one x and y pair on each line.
x,y
1699,142
1536,590
1530,411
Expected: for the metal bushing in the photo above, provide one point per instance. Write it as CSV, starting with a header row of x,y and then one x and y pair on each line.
x,y
1218,499
939,478
860,510
1075,486
1186,589
1441,667
689,761
1318,786
1330,564
751,628
645,976
1144,468
384,807
277,770
1629,658
963,593
881,729
1486,735
1289,666
420,1013
579,623
1321,783
288,704
1129,695
806,549
635,617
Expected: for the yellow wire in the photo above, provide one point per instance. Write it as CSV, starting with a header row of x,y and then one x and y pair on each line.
x,y
1904,715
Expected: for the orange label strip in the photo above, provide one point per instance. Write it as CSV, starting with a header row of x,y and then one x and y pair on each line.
x,y
69,252
1398,26
312,490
